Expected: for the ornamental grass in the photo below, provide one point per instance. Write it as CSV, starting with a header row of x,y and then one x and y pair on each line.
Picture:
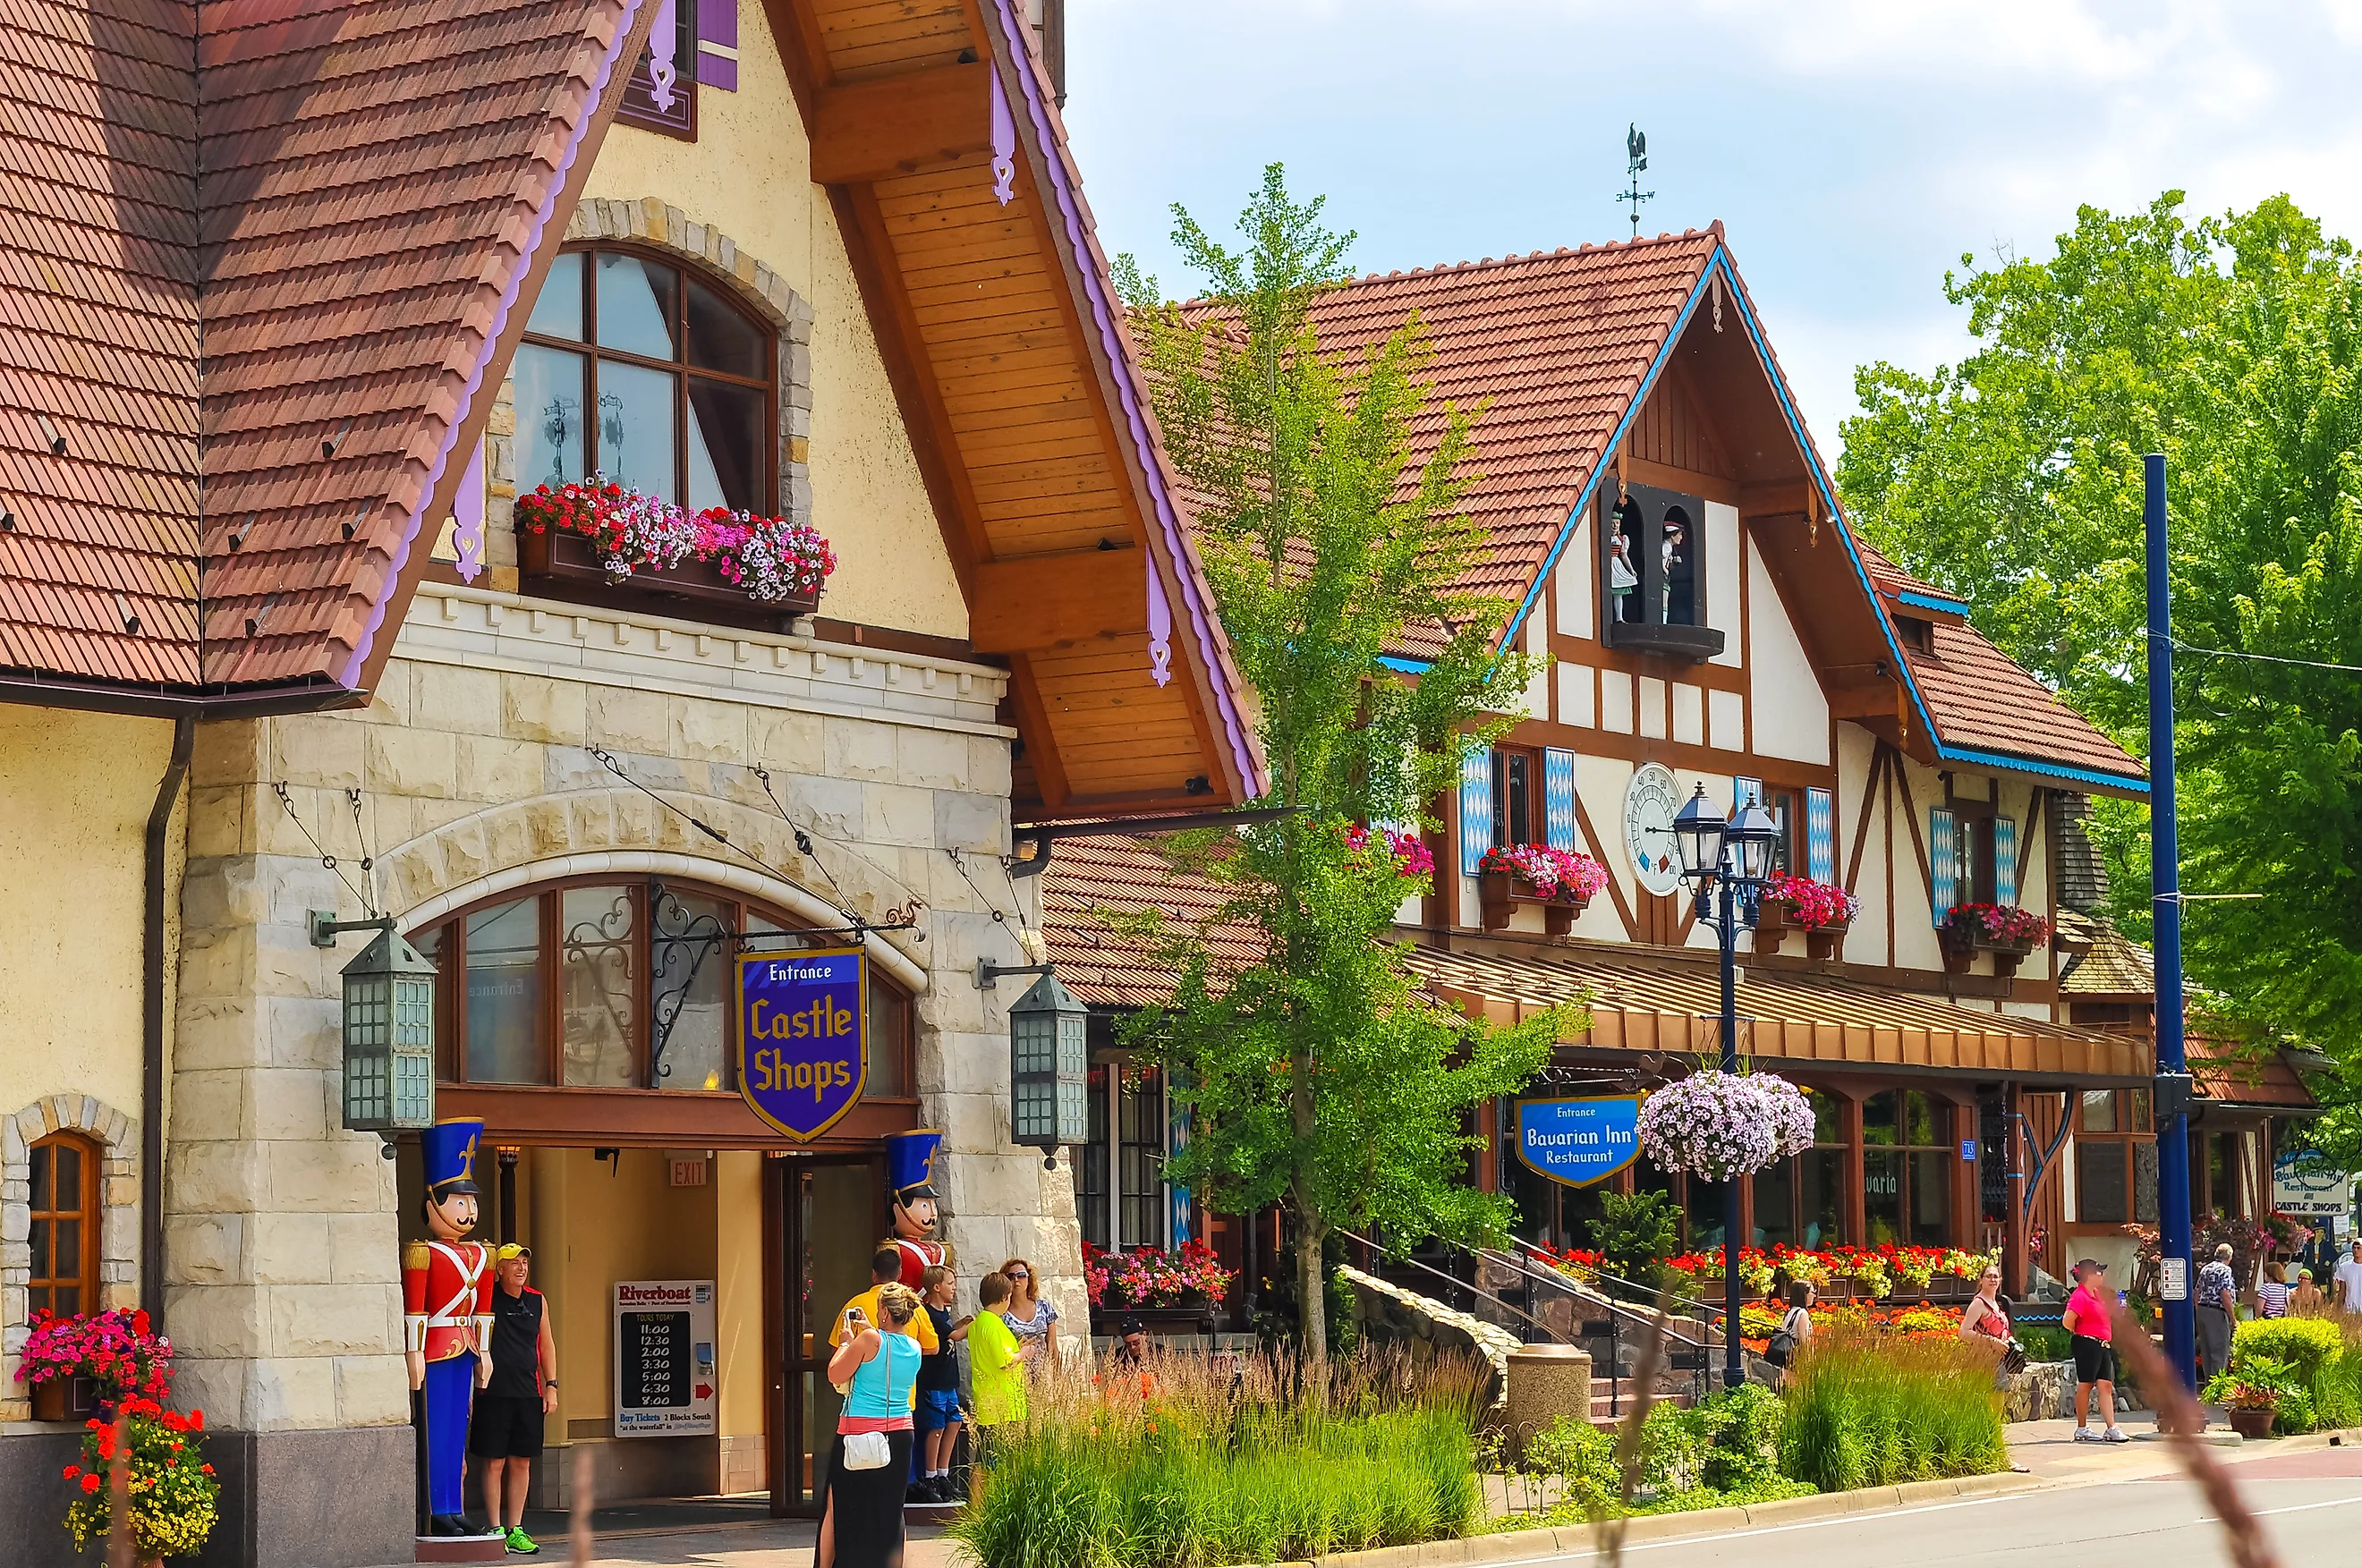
x,y
1865,1409
1191,1465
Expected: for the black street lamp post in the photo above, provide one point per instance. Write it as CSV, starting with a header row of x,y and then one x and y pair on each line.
x,y
1729,861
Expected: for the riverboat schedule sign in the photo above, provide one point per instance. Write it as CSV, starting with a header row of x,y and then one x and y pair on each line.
x,y
804,1037
665,1371
1579,1142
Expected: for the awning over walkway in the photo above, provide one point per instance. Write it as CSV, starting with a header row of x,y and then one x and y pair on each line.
x,y
1672,1007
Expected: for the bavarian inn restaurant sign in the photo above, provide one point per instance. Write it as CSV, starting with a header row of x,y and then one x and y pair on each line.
x,y
803,1040
1579,1142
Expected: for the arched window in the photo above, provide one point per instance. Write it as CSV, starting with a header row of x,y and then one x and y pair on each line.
x,y
638,369
65,1226
605,984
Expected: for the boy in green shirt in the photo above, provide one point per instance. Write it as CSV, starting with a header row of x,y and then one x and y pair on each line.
x,y
996,1364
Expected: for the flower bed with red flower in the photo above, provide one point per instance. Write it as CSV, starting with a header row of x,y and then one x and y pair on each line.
x,y
1811,905
1552,872
772,558
1412,856
2004,923
115,1350
173,1495
1151,1276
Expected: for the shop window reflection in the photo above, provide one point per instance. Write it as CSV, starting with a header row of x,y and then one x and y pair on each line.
x,y
685,943
504,995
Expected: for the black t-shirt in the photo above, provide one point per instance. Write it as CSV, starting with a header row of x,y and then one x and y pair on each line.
x,y
516,1344
940,1372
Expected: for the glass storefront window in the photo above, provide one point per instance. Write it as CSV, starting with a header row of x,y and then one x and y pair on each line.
x,y
598,996
1775,1205
1925,1122
1882,1200
1820,1197
1704,1209
1139,1155
696,1052
504,995
1878,1118
2099,1111
1931,1198
2100,1196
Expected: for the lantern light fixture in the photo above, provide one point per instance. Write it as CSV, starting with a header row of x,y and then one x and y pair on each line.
x,y
388,1026
1048,1067
1698,831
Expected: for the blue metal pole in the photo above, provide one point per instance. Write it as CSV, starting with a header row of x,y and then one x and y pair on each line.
x,y
2165,861
1734,1371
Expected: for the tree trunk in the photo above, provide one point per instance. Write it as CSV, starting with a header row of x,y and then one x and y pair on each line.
x,y
1311,1287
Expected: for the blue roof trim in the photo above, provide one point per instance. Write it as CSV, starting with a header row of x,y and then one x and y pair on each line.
x,y
1408,666
2135,781
1934,602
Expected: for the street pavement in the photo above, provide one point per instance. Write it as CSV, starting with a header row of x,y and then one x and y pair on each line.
x,y
2096,1507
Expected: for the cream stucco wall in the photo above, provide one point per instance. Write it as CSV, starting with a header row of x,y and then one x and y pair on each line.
x,y
748,174
78,789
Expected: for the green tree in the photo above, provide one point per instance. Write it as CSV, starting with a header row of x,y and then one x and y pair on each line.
x,y
2234,345
1319,1077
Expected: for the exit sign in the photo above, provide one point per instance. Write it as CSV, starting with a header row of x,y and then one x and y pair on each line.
x,y
689,1173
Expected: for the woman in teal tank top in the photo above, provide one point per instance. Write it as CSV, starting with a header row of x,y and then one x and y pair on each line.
x,y
863,1517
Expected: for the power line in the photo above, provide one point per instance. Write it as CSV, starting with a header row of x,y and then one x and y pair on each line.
x,y
2178,646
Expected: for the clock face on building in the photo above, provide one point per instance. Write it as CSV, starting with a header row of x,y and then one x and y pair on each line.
x,y
1651,801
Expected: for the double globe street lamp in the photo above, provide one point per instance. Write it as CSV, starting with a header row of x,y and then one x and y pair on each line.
x,y
1729,862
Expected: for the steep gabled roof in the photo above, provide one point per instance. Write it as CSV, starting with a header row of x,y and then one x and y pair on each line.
x,y
242,234
1563,348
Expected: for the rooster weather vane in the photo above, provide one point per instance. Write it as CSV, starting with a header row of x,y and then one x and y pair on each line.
x,y
1636,160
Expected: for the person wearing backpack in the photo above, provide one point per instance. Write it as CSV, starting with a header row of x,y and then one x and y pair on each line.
x,y
1796,1330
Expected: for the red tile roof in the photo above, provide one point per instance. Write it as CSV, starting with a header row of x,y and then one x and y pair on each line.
x,y
1982,702
1088,878
232,232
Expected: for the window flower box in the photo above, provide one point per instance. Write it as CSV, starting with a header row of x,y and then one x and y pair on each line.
x,y
1560,883
2006,931
1820,910
594,539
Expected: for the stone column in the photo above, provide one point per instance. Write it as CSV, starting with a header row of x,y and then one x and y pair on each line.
x,y
282,1285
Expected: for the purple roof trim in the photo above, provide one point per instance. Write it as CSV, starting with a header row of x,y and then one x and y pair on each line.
x,y
1127,391
533,236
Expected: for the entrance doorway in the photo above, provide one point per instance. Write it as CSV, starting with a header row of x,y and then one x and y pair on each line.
x,y
823,1217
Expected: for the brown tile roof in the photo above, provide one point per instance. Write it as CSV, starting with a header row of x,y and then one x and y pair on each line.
x,y
235,232
1982,702
2231,1074
1669,1006
1108,967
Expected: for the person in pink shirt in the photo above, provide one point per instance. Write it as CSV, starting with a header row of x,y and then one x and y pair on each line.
x,y
2089,1324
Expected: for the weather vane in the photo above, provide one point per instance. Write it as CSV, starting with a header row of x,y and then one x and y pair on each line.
x,y
1636,158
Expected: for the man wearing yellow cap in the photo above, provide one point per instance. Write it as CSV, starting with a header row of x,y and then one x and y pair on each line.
x,y
507,1431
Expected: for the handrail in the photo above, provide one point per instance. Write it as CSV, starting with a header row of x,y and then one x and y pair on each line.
x,y
1705,1315
1458,1284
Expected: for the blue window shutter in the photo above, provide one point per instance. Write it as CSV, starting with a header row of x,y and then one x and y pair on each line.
x,y
1178,1137
1558,798
2005,860
1941,858
1820,835
1475,807
1743,790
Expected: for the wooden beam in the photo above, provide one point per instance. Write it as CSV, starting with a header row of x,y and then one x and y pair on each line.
x,y
1037,602
898,124
1862,702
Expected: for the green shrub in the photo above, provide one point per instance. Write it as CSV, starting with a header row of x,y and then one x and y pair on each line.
x,y
2306,1344
1870,1410
1634,1234
1582,1457
1725,1451
1186,1469
1740,1433
2322,1380
2044,1342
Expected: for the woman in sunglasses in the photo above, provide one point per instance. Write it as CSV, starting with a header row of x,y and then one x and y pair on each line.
x,y
1031,1319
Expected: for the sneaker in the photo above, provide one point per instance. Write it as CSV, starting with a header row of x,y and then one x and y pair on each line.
x,y
2085,1434
2115,1434
522,1543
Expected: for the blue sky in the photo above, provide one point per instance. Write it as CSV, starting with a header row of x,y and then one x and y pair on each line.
x,y
1853,149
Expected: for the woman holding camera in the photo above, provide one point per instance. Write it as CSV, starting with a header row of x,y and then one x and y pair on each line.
x,y
863,1517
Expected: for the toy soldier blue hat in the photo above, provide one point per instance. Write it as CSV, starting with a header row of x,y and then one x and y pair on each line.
x,y
448,1149
911,1163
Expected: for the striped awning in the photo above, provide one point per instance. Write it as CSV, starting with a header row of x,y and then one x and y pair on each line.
x,y
1674,1007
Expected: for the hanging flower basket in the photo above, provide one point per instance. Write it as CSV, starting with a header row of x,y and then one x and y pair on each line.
x,y
2005,930
1560,882
1719,1126
603,536
1821,910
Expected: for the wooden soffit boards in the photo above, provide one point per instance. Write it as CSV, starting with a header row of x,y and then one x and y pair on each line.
x,y
994,311
1671,1008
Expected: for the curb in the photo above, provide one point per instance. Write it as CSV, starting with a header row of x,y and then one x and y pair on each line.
x,y
1531,1545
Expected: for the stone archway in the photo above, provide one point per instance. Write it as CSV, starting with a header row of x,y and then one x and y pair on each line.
x,y
118,1137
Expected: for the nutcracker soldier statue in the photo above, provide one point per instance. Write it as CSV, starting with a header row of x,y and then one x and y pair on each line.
x,y
910,1173
446,1301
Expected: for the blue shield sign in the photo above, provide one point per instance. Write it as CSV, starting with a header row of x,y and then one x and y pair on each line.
x,y
804,1037
1579,1142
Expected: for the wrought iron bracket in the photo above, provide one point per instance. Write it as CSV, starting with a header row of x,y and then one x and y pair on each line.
x,y
988,972
323,926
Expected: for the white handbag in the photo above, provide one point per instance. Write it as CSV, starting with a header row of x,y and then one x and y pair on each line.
x,y
867,1450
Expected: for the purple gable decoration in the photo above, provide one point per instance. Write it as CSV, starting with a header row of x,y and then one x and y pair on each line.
x,y
717,45
664,40
1004,155
468,517
1160,629
1168,523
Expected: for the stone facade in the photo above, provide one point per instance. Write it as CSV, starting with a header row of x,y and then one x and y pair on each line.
x,y
472,772
118,1137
